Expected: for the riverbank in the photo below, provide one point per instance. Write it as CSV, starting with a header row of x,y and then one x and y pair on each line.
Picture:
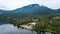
x,y
29,25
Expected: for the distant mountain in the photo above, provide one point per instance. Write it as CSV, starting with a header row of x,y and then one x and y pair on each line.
x,y
30,9
34,9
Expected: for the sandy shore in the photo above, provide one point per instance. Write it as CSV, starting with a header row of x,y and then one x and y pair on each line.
x,y
29,25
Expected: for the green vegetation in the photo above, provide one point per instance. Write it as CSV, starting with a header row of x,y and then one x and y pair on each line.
x,y
46,19
49,23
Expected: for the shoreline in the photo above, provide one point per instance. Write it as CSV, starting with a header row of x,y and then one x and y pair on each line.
x,y
29,25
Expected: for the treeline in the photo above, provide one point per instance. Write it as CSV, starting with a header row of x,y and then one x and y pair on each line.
x,y
49,23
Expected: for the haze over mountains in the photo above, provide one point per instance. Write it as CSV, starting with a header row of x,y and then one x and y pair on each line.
x,y
30,9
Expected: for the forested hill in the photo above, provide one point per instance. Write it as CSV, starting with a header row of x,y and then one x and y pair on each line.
x,y
29,10
46,19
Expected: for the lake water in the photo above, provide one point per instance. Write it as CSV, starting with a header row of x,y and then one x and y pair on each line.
x,y
11,29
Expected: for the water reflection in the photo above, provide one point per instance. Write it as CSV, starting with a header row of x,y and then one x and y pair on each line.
x,y
40,32
10,29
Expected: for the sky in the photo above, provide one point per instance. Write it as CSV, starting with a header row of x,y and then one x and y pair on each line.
x,y
14,4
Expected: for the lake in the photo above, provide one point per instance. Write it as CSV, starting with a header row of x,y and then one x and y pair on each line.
x,y
11,29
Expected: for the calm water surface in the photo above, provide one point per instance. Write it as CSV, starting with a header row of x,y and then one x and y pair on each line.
x,y
11,29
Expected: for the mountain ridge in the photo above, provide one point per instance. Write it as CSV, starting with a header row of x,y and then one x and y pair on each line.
x,y
31,9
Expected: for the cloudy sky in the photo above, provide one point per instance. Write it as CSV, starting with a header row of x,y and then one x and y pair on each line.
x,y
14,4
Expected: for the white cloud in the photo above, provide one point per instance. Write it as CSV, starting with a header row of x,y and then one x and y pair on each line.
x,y
13,4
